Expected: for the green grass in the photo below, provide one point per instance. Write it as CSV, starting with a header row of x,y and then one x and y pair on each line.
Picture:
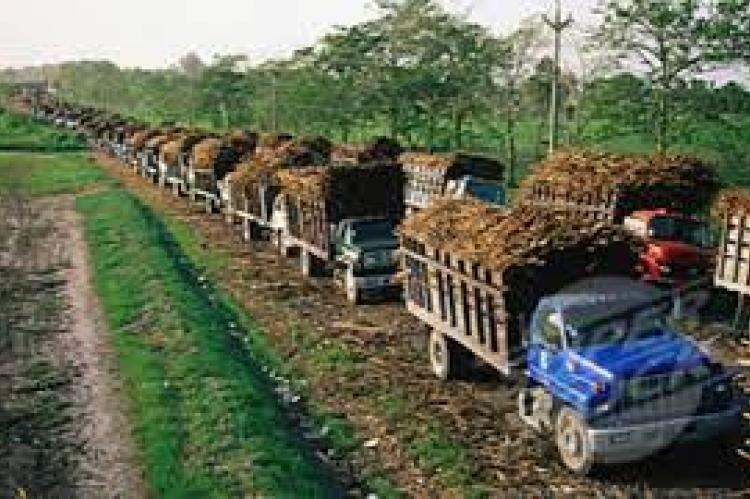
x,y
204,413
50,174
22,133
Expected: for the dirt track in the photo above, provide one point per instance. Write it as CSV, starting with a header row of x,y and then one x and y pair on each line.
x,y
70,436
480,413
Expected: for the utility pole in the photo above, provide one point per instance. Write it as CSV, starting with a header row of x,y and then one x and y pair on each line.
x,y
274,107
558,25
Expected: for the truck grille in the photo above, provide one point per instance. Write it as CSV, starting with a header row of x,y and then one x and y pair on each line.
x,y
652,398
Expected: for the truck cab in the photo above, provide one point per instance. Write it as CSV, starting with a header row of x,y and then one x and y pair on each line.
x,y
365,254
677,246
469,186
614,382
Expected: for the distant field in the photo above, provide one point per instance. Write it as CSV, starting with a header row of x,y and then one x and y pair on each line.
x,y
49,174
21,133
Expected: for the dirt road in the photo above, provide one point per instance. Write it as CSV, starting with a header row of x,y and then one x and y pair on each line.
x,y
387,346
68,434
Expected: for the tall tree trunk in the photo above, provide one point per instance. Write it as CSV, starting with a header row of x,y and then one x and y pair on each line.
x,y
431,129
393,121
663,132
458,124
511,143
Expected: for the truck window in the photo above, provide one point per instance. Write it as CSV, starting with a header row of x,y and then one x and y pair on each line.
x,y
374,230
683,230
551,331
486,191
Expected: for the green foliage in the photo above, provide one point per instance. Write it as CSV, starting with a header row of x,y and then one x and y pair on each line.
x,y
21,133
204,414
669,38
49,174
435,80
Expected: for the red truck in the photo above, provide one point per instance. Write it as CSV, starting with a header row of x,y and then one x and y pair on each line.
x,y
678,245
652,197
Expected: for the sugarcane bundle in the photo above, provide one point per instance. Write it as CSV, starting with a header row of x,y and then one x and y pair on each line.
x,y
273,140
206,153
170,152
139,139
380,150
347,191
732,202
678,182
242,142
452,165
533,251
157,141
346,154
221,155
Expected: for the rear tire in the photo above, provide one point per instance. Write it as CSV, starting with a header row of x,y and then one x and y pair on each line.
x,y
448,359
571,437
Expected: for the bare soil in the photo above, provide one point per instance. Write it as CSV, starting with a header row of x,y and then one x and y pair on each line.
x,y
480,413
68,433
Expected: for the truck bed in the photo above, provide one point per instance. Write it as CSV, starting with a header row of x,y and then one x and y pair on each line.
x,y
308,226
589,205
733,254
464,302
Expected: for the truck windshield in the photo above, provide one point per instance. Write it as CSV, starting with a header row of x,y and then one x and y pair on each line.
x,y
486,191
683,230
613,324
372,230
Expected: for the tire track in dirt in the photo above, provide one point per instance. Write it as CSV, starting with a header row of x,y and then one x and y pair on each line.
x,y
111,461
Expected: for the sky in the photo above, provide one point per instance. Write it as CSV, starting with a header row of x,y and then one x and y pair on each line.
x,y
156,33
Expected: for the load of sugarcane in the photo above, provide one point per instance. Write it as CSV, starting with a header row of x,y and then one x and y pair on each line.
x,y
281,153
138,140
183,143
156,142
221,155
732,202
381,149
452,165
634,181
374,189
529,251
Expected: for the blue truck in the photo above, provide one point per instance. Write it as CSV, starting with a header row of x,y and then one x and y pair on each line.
x,y
599,365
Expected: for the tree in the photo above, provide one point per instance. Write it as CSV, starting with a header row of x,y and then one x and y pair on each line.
x,y
668,38
225,92
191,65
731,33
517,57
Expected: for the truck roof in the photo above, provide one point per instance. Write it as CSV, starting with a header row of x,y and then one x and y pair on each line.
x,y
606,294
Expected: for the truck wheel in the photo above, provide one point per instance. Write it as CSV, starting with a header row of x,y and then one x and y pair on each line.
x,y
571,437
447,358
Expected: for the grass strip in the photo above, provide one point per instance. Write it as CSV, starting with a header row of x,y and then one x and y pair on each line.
x,y
204,413
34,174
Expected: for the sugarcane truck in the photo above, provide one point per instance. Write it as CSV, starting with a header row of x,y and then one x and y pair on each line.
x,y
463,176
677,254
732,271
255,213
599,368
359,246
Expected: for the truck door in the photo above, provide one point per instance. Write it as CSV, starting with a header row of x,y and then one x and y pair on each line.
x,y
546,351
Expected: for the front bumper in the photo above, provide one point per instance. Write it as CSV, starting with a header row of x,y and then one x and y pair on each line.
x,y
376,282
631,443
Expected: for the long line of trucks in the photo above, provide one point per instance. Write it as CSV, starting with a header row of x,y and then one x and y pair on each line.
x,y
555,290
